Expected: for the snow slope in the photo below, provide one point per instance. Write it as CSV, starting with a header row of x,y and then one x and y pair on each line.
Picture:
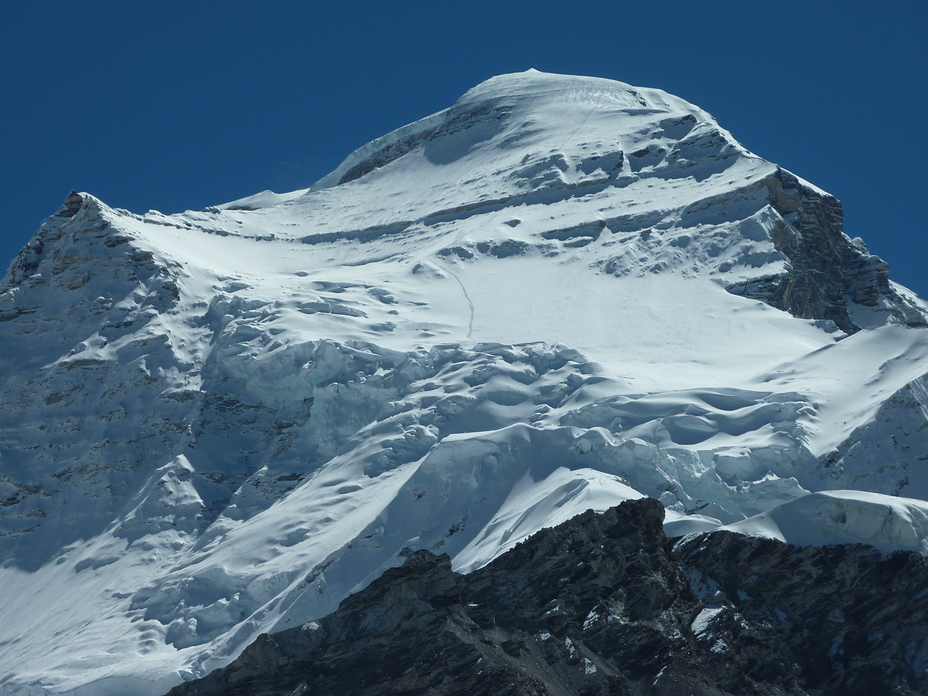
x,y
844,517
558,294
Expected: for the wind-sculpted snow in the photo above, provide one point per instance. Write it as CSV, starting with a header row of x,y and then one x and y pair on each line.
x,y
844,517
556,295
896,438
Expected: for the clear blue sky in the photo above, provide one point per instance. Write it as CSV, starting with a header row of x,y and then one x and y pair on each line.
x,y
180,105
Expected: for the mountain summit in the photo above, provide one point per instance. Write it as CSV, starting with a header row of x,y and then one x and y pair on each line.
x,y
558,294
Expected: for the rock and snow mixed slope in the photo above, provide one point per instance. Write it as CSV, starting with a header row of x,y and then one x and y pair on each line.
x,y
558,294
605,604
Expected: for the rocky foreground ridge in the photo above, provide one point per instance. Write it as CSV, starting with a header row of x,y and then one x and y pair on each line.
x,y
607,604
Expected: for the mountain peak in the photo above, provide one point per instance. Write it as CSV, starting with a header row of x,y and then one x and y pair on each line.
x,y
674,192
555,295
530,109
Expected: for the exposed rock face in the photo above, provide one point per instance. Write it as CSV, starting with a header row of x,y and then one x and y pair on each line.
x,y
603,605
827,271
72,204
837,620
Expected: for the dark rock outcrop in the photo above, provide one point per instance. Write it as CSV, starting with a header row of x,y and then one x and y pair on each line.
x,y
827,269
844,619
72,204
604,604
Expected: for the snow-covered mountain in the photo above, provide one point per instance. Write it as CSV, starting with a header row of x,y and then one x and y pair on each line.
x,y
558,294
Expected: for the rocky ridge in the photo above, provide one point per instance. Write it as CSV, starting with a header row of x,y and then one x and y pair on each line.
x,y
607,604
827,273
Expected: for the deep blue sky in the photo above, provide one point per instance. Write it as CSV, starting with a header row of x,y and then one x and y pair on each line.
x,y
177,105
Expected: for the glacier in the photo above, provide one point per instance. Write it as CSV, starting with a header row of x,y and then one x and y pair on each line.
x,y
558,294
